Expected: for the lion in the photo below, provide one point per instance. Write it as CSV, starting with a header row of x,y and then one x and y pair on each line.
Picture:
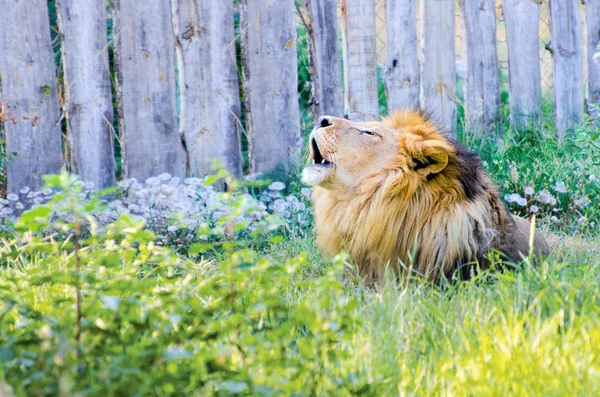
x,y
399,194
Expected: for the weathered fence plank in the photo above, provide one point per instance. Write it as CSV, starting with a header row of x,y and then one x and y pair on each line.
x,y
592,16
522,19
271,83
324,52
567,82
209,90
87,89
402,77
145,69
481,85
438,69
29,109
360,59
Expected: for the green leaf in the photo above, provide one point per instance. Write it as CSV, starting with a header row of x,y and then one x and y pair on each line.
x,y
276,239
198,248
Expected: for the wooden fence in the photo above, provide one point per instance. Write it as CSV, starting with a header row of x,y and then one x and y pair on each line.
x,y
184,93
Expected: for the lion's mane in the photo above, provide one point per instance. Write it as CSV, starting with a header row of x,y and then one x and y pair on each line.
x,y
432,224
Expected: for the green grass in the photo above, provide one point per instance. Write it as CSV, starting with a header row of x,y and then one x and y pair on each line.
x,y
532,332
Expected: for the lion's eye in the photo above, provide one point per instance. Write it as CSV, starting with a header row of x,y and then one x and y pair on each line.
x,y
368,133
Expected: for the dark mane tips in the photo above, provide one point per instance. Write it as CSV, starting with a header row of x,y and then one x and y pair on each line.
x,y
468,166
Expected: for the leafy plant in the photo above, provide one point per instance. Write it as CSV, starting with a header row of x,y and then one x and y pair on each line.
x,y
104,310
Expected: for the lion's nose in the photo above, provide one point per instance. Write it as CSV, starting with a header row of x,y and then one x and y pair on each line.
x,y
325,122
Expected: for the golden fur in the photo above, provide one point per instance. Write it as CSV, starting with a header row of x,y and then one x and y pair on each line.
x,y
398,192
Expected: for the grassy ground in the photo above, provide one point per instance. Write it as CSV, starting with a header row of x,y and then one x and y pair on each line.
x,y
531,332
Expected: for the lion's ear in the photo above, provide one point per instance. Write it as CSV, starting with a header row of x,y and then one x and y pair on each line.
x,y
429,158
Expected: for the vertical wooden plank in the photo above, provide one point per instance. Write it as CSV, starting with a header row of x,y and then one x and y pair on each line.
x,y
88,90
567,59
210,99
402,77
481,85
145,69
592,17
29,106
522,19
271,83
360,59
438,69
324,52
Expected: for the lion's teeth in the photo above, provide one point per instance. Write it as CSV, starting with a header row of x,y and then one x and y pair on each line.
x,y
323,162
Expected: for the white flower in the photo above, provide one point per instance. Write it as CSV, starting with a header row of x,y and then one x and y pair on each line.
x,y
291,199
89,185
592,177
513,198
172,228
24,190
529,190
560,187
152,181
193,181
485,164
522,201
38,200
583,219
277,186
545,197
47,192
19,206
534,209
7,211
554,219
306,192
164,177
582,202
12,197
124,184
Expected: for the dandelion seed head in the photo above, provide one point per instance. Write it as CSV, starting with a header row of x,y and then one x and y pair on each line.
x,y
276,186
560,187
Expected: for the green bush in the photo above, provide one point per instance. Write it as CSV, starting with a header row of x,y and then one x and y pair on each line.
x,y
104,310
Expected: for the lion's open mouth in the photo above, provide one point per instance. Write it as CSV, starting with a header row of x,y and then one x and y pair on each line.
x,y
318,158
320,170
